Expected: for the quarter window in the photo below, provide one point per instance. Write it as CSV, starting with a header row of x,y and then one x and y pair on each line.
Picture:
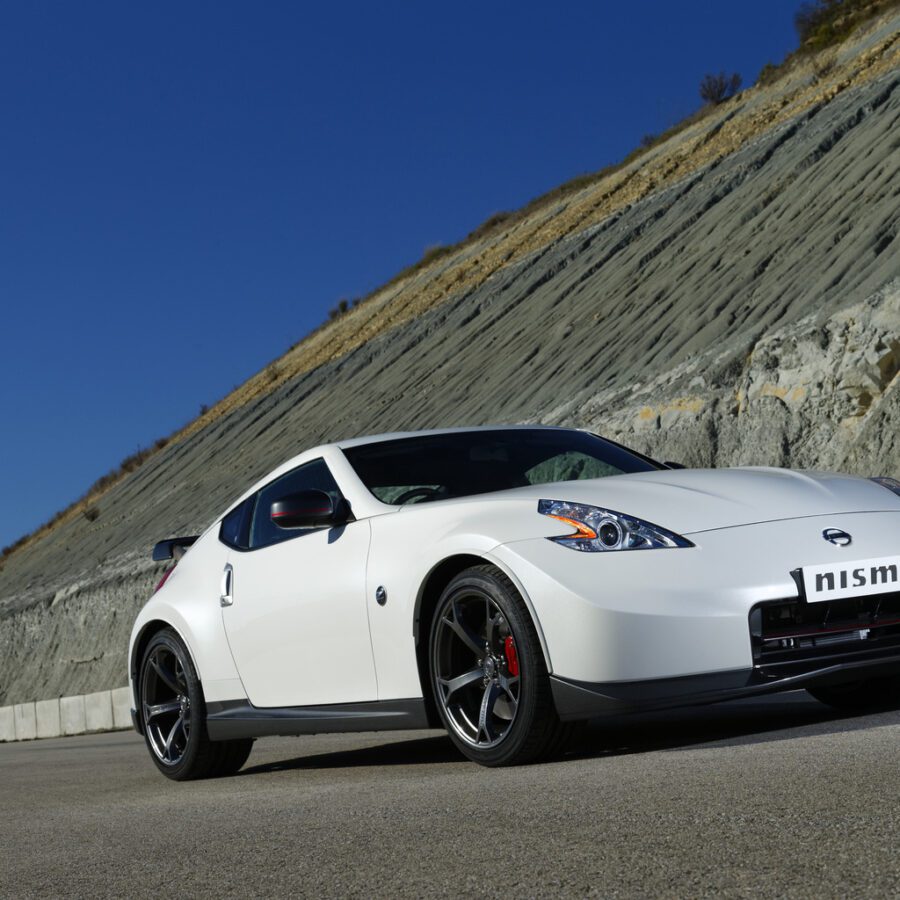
x,y
235,530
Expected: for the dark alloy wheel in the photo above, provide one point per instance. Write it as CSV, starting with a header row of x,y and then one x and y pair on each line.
x,y
488,674
174,715
166,705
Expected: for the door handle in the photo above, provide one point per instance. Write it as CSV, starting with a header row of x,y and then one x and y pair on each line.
x,y
225,597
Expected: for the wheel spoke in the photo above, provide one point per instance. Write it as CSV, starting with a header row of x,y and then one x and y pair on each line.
x,y
175,728
166,676
452,685
508,682
473,641
179,677
485,723
160,709
491,627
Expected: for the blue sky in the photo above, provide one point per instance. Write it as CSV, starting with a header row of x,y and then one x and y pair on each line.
x,y
186,189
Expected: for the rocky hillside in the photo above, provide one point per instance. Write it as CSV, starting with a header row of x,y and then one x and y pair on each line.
x,y
731,296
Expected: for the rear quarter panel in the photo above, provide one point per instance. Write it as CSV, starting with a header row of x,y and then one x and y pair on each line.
x,y
189,603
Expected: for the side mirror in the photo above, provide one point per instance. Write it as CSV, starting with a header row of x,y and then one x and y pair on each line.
x,y
307,509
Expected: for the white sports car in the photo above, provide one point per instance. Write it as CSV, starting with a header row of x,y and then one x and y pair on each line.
x,y
505,583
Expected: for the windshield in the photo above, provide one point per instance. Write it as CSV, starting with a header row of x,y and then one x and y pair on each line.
x,y
442,466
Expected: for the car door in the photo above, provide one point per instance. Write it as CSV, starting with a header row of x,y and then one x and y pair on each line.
x,y
294,603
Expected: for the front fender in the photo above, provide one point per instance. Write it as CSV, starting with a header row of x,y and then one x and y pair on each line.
x,y
407,549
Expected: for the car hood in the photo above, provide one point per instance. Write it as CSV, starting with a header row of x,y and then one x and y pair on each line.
x,y
692,500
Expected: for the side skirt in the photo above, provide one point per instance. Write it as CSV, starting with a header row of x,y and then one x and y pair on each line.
x,y
232,719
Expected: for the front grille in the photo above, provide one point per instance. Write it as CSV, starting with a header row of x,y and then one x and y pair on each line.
x,y
791,636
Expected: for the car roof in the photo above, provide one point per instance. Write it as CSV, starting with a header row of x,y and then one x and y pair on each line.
x,y
399,435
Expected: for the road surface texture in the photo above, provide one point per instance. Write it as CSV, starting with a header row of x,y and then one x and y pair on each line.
x,y
758,798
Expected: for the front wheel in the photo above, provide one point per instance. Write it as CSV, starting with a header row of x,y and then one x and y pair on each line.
x,y
869,694
488,674
173,712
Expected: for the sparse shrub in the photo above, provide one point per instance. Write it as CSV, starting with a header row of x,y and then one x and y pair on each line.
x,y
823,23
818,24
715,89
91,513
648,140
489,224
807,19
823,69
769,74
434,253
204,409
343,306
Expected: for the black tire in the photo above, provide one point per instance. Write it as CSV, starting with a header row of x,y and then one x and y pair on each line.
x,y
471,668
173,713
860,696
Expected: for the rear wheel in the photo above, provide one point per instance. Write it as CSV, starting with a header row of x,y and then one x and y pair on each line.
x,y
868,694
488,674
174,715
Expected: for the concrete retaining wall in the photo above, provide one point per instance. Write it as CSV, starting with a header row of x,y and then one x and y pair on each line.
x,y
83,714
71,710
7,724
26,721
48,723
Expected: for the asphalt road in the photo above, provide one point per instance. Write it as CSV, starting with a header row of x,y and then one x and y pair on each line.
x,y
766,798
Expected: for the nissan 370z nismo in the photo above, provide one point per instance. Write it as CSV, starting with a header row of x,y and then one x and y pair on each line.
x,y
505,583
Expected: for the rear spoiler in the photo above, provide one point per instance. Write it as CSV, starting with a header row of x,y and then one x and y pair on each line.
x,y
174,548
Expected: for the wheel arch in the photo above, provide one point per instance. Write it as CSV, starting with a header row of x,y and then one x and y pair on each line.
x,y
433,585
139,646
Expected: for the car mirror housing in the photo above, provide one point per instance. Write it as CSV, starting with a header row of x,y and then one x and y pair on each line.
x,y
308,509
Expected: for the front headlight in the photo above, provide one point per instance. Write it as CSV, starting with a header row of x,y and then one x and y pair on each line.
x,y
886,482
598,529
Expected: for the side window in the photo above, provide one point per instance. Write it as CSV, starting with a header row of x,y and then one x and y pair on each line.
x,y
235,529
311,476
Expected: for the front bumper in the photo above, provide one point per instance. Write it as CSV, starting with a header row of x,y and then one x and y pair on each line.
x,y
635,617
580,700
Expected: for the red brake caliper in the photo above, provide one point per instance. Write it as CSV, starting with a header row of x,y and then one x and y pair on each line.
x,y
512,659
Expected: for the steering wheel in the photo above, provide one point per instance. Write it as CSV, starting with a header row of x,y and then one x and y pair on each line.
x,y
413,493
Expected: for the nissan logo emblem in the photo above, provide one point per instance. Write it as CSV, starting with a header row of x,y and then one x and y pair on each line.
x,y
837,537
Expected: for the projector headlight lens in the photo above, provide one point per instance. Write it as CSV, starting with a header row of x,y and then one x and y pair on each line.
x,y
602,530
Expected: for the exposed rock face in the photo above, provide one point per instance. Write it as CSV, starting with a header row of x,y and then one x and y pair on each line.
x,y
747,313
821,393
